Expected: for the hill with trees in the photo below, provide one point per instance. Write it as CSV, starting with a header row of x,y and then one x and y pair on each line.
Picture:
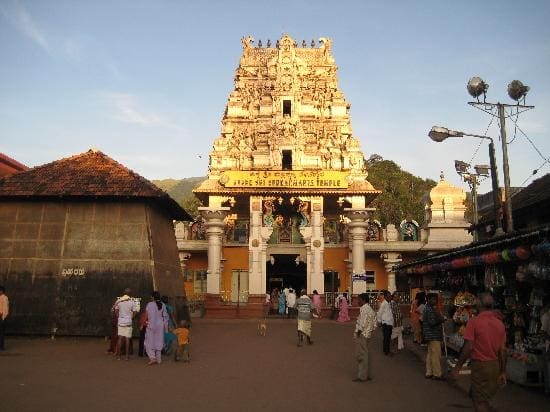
x,y
402,192
401,196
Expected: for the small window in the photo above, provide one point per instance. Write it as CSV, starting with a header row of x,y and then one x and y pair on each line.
x,y
287,159
287,107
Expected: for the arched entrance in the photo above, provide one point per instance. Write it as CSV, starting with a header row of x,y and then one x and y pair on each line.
x,y
286,271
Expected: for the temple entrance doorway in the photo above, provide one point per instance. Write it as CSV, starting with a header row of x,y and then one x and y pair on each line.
x,y
286,271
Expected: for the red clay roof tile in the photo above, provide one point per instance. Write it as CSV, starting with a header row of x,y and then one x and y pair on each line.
x,y
89,174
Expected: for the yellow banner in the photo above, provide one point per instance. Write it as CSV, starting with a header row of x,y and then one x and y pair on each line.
x,y
312,179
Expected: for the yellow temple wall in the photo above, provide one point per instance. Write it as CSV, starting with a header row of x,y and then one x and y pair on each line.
x,y
235,258
374,263
334,258
198,261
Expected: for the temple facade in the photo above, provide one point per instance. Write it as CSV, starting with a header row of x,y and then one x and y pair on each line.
x,y
286,202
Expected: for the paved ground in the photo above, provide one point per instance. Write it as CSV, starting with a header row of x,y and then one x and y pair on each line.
x,y
232,369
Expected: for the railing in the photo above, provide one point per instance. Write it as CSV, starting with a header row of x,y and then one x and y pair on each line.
x,y
196,302
404,298
226,297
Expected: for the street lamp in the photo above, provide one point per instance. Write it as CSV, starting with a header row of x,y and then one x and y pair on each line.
x,y
463,169
517,91
439,134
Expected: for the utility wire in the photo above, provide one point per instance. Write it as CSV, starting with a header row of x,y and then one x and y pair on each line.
x,y
481,141
515,122
531,176
530,141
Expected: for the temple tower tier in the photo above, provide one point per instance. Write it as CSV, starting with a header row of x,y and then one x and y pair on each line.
x,y
283,169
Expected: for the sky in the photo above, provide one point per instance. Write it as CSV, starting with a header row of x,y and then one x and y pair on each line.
x,y
147,81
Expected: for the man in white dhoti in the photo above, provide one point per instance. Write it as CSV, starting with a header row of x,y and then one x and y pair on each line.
x,y
305,308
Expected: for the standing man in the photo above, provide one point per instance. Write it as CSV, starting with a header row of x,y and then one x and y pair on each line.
x,y
291,303
125,308
4,310
304,305
365,325
397,330
385,318
485,345
433,335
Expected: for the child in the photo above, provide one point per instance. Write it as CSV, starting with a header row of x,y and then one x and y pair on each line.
x,y
182,333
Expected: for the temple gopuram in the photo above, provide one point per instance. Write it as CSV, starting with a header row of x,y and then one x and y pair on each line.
x,y
286,202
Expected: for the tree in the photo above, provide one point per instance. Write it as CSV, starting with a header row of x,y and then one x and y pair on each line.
x,y
402,193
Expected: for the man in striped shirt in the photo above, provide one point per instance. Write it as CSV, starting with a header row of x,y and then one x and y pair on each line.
x,y
366,323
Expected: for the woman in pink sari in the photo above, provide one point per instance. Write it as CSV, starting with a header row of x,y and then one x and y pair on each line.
x,y
317,303
343,315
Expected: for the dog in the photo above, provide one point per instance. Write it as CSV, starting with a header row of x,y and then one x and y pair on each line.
x,y
262,327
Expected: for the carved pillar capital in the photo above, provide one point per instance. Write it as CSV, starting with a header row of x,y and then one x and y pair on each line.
x,y
391,259
215,227
214,218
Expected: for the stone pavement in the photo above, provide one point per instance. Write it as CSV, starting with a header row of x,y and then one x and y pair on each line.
x,y
232,369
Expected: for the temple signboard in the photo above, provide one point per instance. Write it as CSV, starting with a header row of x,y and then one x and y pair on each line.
x,y
313,179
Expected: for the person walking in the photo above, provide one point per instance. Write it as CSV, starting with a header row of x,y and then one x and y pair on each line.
x,y
433,335
317,303
125,309
169,337
365,325
415,321
397,330
4,311
282,304
182,334
343,313
157,324
305,309
385,319
485,345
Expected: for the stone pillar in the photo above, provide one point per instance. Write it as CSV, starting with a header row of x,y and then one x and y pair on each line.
x,y
257,246
357,230
315,245
215,227
390,260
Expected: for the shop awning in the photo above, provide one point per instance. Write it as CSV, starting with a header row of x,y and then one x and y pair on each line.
x,y
519,245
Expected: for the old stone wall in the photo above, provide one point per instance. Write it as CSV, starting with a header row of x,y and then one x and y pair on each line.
x,y
64,263
168,273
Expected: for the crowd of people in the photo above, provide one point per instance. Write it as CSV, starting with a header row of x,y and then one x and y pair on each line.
x,y
159,331
485,340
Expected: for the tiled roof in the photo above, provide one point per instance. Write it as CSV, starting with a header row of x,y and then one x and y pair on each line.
x,y
89,174
10,164
536,193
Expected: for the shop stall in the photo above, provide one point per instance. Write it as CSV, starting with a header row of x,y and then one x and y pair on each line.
x,y
516,270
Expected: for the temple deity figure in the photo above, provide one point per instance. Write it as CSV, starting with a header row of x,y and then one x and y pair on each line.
x,y
303,210
268,213
275,154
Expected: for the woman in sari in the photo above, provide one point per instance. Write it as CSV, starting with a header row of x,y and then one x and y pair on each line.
x,y
343,314
282,303
157,324
169,337
317,303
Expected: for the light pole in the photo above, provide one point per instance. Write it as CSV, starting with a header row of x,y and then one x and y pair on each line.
x,y
439,134
517,91
463,169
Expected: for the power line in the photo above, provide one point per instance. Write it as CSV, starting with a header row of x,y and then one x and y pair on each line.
x,y
481,141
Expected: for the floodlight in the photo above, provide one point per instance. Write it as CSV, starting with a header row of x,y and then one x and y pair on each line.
x,y
517,90
482,170
461,167
476,87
